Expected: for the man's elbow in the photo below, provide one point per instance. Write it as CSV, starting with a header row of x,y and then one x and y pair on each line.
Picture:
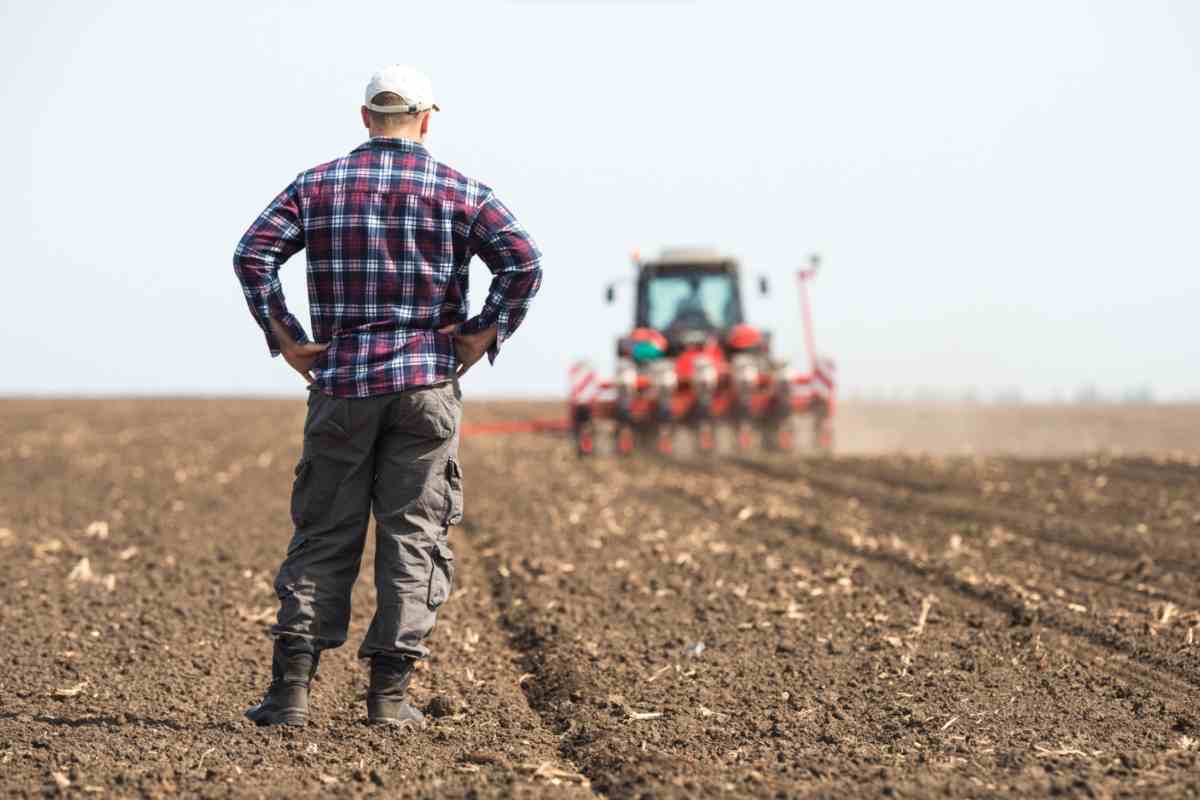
x,y
535,279
523,285
249,265
242,258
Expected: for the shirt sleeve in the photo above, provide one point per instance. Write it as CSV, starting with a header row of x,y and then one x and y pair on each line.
x,y
274,237
515,263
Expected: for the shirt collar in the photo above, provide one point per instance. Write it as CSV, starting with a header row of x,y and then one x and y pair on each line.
x,y
392,143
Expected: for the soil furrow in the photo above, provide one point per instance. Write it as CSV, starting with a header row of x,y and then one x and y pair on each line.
x,y
1091,494
532,653
998,595
1076,534
1032,536
1158,473
876,495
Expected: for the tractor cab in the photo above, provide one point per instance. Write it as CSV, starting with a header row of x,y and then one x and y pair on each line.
x,y
689,297
689,300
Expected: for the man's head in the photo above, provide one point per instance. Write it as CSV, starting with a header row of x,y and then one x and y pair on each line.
x,y
399,103
400,123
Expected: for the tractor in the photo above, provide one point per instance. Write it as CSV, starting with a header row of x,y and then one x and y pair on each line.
x,y
694,370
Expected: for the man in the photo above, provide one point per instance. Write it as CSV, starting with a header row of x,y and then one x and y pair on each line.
x,y
690,311
389,234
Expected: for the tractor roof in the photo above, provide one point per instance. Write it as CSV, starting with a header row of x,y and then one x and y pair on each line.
x,y
691,255
701,258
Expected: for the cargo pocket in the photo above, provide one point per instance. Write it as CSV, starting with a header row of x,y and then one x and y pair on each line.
x,y
311,495
441,577
454,493
299,486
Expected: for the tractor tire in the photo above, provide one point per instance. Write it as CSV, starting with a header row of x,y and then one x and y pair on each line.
x,y
780,435
585,440
625,441
822,432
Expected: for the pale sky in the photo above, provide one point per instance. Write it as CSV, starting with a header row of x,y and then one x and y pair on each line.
x,y
1004,193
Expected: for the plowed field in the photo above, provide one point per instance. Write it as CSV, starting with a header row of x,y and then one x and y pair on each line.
x,y
961,624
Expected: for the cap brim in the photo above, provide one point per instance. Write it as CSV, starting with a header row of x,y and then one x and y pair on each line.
x,y
399,109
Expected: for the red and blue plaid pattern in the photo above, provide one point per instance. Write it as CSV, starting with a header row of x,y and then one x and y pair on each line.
x,y
389,233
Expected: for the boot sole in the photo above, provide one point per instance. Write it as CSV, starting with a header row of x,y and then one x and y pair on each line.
x,y
385,722
293,718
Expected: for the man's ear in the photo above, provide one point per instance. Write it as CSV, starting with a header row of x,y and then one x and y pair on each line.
x,y
366,117
425,123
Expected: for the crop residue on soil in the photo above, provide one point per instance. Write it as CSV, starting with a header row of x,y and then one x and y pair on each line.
x,y
755,626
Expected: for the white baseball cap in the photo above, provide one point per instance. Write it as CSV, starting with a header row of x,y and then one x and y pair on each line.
x,y
410,83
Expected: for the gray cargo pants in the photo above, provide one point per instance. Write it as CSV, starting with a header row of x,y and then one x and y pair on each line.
x,y
395,454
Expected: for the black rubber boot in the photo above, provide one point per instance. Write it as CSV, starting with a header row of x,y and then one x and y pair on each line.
x,y
293,666
390,676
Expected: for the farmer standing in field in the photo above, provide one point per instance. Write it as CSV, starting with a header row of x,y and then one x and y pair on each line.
x,y
389,233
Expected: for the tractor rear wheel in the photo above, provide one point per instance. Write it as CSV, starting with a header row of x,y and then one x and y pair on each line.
x,y
822,431
624,440
585,440
780,435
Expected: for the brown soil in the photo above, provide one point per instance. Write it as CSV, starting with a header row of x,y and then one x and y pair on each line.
x,y
885,625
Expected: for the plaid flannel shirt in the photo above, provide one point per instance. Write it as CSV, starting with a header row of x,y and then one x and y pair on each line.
x,y
389,234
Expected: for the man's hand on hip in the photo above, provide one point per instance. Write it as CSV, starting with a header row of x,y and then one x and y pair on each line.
x,y
300,357
470,347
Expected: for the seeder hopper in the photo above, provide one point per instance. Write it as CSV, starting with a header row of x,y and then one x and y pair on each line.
x,y
694,370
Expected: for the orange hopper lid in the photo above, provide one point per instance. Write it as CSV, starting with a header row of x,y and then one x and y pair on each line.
x,y
649,335
744,337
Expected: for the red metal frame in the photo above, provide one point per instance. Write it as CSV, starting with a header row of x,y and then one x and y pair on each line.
x,y
804,276
644,403
520,426
591,399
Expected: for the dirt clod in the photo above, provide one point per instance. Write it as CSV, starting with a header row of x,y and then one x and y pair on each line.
x,y
441,705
